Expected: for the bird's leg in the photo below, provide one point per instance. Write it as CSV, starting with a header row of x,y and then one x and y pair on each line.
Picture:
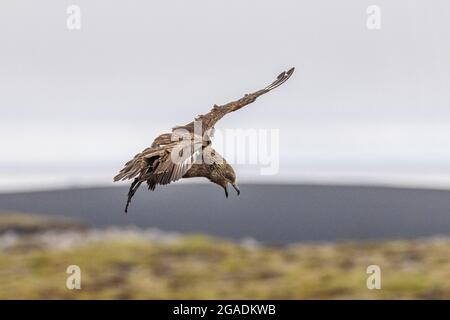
x,y
133,188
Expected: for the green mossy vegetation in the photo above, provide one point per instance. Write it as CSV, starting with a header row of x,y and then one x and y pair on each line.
x,y
203,267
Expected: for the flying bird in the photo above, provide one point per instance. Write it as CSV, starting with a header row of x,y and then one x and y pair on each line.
x,y
186,152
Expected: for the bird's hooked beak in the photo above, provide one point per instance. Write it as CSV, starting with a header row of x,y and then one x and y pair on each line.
x,y
236,188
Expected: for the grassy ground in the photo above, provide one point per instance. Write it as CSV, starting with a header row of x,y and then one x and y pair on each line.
x,y
133,265
28,223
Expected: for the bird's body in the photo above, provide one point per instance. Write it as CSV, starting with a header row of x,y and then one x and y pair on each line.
x,y
186,152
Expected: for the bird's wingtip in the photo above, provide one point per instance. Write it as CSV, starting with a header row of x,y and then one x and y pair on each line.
x,y
282,78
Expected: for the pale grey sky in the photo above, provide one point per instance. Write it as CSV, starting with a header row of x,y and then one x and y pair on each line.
x,y
369,106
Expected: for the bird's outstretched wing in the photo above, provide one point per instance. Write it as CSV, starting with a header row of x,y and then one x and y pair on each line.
x,y
217,112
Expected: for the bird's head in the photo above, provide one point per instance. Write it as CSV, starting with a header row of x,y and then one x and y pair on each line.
x,y
230,176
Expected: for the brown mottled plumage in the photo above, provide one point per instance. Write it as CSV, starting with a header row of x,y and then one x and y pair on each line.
x,y
186,153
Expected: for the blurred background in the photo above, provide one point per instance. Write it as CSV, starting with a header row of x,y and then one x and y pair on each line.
x,y
364,149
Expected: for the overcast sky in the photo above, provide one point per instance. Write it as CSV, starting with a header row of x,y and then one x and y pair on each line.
x,y
366,106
